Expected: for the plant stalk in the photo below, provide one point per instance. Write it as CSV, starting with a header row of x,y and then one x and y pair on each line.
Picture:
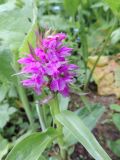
x,y
40,113
84,42
21,92
100,54
54,111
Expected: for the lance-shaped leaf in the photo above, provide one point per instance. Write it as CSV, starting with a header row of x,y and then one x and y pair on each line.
x,y
90,119
31,147
82,134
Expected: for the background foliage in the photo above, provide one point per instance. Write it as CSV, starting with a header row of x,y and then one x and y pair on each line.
x,y
92,28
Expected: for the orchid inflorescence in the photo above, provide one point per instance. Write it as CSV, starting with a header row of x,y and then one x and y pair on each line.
x,y
47,65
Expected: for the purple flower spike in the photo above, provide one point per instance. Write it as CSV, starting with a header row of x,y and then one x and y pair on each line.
x,y
47,66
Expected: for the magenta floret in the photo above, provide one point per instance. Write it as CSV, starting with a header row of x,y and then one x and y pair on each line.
x,y
48,66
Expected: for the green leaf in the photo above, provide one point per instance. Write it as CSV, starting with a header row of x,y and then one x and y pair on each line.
x,y
25,135
32,146
42,158
19,24
77,128
29,38
10,5
115,107
63,102
54,22
115,36
2,1
71,6
5,112
116,120
114,5
115,147
4,146
3,91
6,70
99,5
50,2
12,92
89,118
14,25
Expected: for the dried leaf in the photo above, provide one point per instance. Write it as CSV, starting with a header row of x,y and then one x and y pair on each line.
x,y
106,74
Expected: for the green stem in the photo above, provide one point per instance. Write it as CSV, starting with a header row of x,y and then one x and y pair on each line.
x,y
83,35
84,42
40,113
91,73
24,100
45,115
21,92
99,55
55,110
